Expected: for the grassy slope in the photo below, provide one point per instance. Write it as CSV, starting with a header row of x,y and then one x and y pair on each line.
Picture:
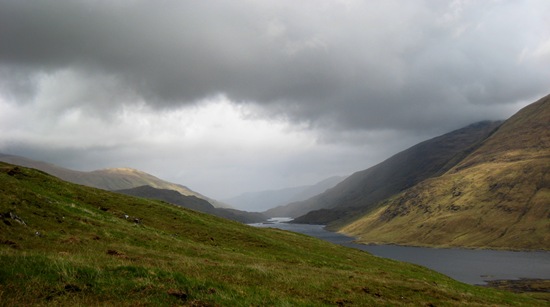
x,y
64,244
497,197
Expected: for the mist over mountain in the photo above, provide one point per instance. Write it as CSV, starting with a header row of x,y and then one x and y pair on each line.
x,y
362,190
498,196
137,105
264,200
233,96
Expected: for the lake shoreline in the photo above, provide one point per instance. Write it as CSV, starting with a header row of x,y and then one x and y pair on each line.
x,y
522,285
445,246
355,241
473,266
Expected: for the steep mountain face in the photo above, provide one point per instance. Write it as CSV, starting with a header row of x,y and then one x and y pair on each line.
x,y
497,197
264,200
361,191
107,179
194,203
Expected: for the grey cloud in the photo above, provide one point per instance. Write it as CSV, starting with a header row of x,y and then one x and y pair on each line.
x,y
368,65
18,83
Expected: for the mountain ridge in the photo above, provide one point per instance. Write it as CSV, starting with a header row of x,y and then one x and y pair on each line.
x,y
108,179
362,190
496,197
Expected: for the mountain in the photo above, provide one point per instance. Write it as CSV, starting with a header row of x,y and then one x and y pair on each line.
x,y
194,203
264,200
362,190
108,179
496,197
63,244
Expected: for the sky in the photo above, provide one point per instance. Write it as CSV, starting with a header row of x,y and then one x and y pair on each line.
x,y
232,96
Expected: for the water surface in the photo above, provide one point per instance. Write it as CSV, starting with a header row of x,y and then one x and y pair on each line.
x,y
466,265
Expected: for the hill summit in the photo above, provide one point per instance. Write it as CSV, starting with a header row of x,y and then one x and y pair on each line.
x,y
110,179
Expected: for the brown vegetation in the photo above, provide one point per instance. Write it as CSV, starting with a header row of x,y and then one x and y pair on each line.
x,y
497,197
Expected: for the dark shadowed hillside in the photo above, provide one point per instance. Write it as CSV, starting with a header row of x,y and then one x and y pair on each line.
x,y
498,196
194,203
362,190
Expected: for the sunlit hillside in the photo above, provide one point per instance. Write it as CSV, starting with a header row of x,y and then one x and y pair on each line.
x,y
497,197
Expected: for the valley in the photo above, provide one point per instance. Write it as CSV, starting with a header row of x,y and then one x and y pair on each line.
x,y
66,244
274,153
160,245
482,186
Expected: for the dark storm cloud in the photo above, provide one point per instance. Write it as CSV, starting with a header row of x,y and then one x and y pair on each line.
x,y
337,64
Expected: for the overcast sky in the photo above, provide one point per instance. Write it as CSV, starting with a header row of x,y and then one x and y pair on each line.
x,y
229,96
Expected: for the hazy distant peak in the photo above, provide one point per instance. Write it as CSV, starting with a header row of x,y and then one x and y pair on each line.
x,y
121,170
267,199
116,178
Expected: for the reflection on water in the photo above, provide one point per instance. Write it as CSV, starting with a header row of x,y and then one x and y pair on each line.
x,y
466,265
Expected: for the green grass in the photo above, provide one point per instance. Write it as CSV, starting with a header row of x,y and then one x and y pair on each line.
x,y
76,248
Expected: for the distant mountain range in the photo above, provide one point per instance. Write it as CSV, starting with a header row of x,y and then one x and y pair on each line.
x,y
361,191
137,183
264,200
498,196
107,179
486,185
